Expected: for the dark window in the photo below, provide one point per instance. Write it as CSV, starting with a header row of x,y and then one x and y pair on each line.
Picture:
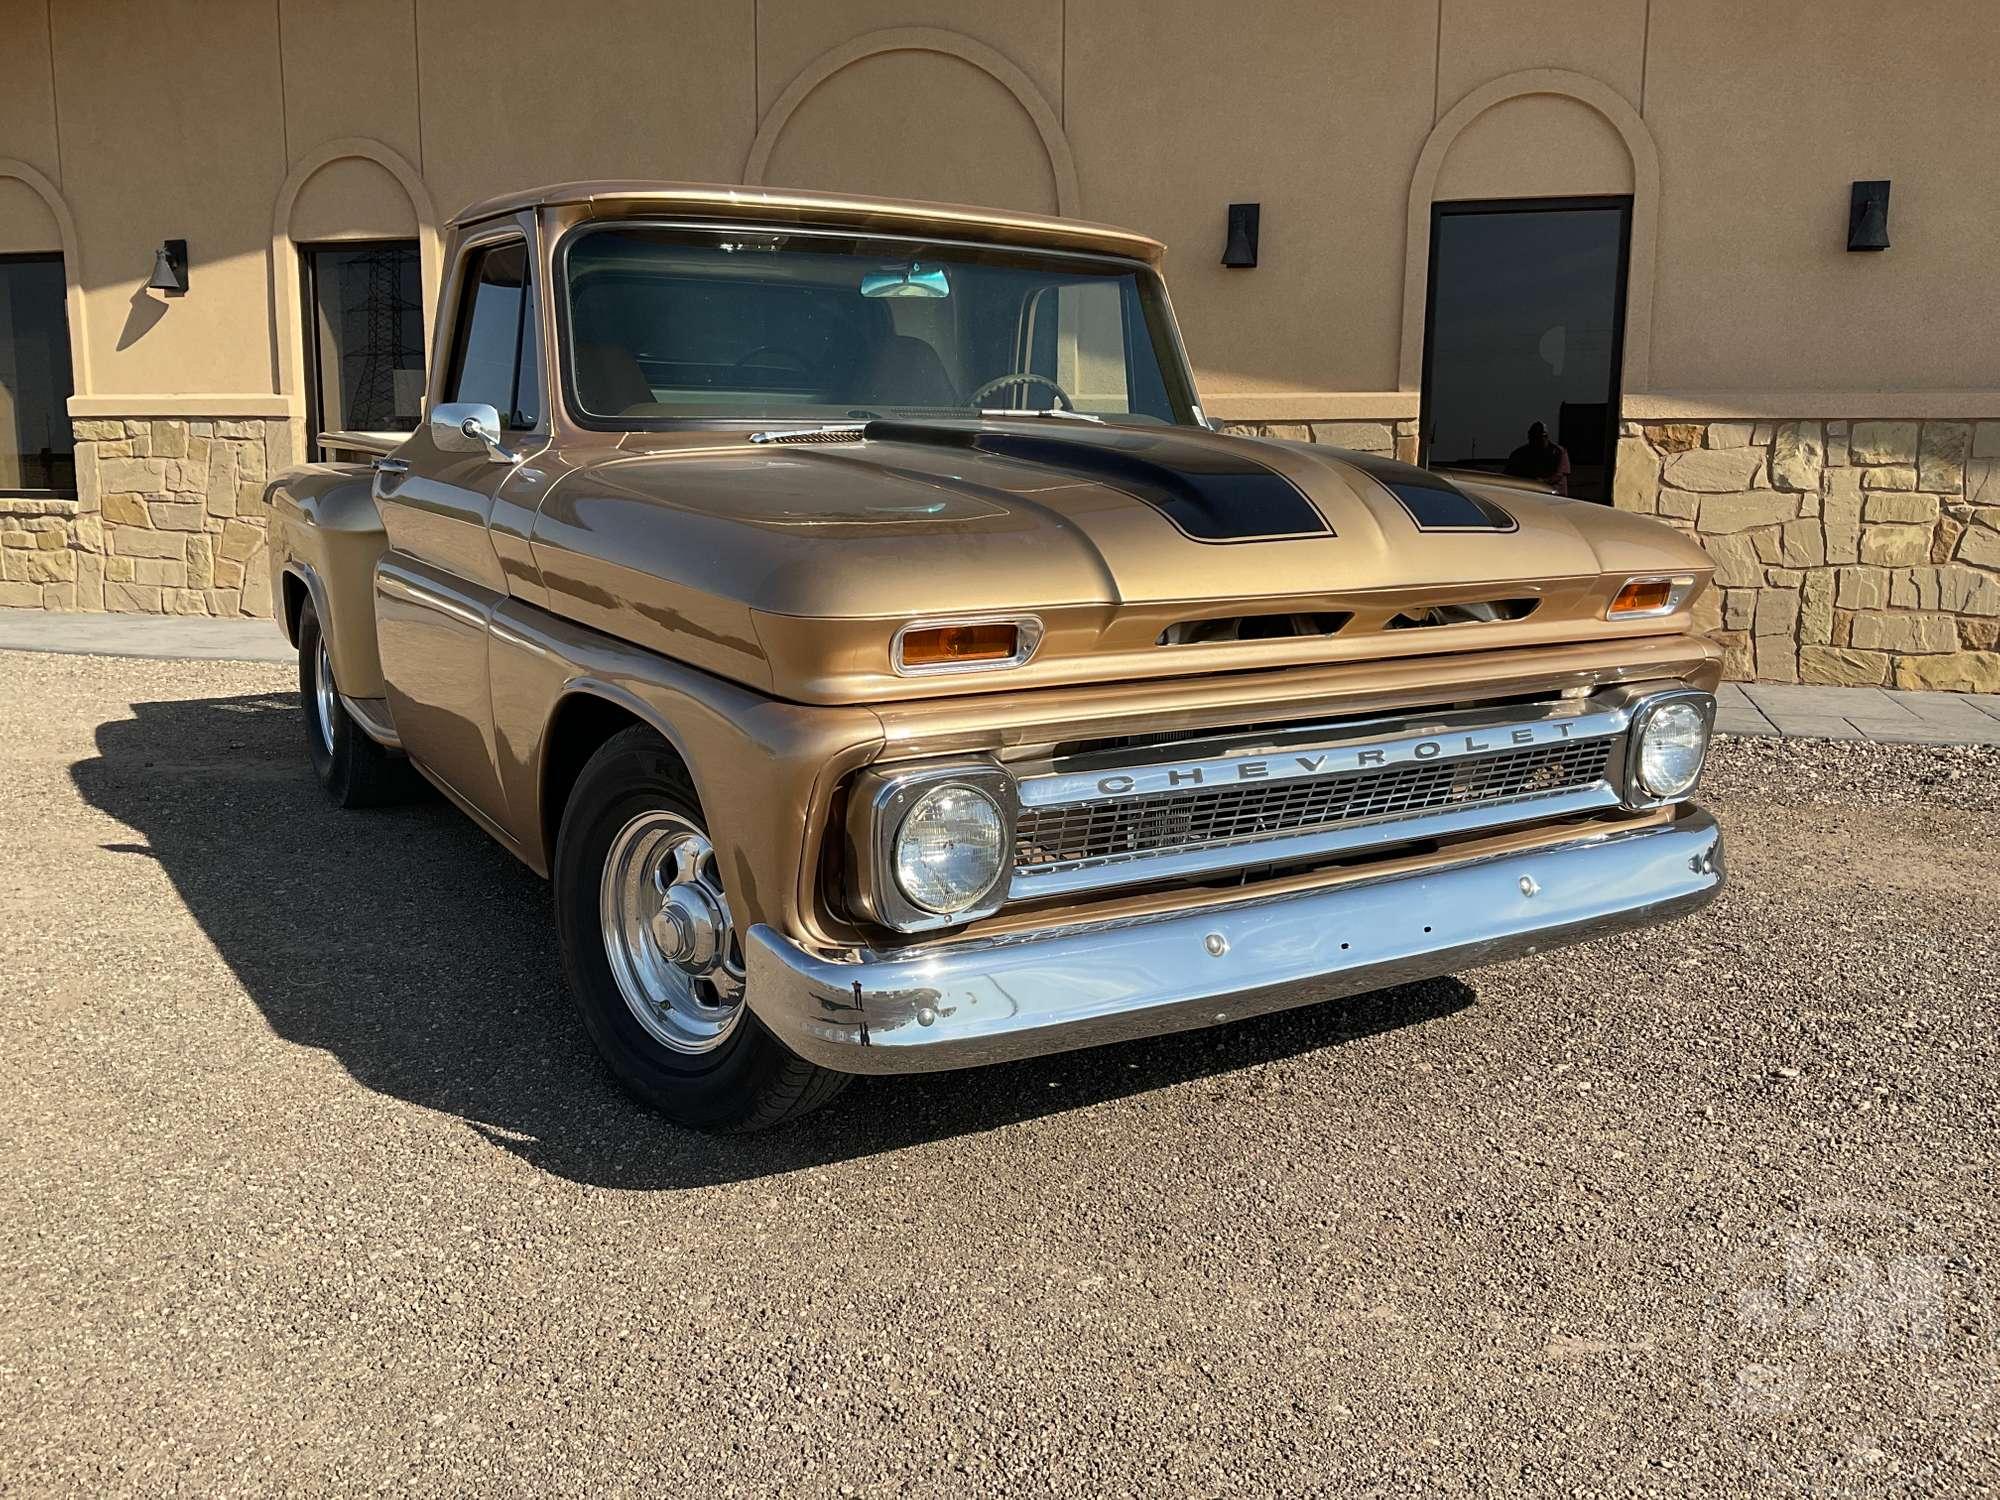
x,y
365,321
1526,323
497,356
37,448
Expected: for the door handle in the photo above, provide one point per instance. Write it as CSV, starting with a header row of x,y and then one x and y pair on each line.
x,y
390,472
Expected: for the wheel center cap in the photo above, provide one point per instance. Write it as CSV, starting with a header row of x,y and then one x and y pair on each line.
x,y
689,929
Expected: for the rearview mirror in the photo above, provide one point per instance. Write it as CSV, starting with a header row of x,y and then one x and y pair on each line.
x,y
912,280
469,427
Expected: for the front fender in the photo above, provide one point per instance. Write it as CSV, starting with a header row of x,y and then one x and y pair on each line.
x,y
764,769
326,531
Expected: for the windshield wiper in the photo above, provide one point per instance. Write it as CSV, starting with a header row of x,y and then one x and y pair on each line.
x,y
1054,411
826,432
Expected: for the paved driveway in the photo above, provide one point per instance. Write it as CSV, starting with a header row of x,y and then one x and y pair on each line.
x,y
309,1184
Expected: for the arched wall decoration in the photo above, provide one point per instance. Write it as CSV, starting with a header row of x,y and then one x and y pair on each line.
x,y
286,290
1631,128
1062,161
52,199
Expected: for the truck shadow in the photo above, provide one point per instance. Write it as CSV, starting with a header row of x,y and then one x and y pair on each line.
x,y
410,947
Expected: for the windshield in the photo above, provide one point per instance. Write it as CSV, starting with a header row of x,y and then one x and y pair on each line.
x,y
669,325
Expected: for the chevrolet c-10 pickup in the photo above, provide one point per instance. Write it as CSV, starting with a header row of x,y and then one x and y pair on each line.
x,y
848,606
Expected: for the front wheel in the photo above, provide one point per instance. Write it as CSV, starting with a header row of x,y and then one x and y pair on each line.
x,y
652,953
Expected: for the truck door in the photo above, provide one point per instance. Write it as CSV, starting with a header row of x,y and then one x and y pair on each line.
x,y
438,583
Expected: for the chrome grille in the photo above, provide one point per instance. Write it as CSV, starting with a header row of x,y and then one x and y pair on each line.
x,y
1171,821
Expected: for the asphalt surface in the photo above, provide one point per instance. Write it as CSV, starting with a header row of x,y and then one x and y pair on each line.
x,y
309,1183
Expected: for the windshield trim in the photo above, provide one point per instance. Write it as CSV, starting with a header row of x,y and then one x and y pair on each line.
x,y
1186,399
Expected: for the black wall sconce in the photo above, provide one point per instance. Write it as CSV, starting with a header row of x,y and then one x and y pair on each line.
x,y
170,269
1239,250
1868,216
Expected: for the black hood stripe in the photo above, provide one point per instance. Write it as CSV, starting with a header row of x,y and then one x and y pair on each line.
x,y
1434,504
1211,492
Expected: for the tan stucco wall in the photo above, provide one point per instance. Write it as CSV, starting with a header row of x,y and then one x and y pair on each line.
x,y
872,128
1538,146
351,198
170,125
1763,114
26,225
1154,113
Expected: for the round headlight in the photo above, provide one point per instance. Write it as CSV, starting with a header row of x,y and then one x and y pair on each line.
x,y
949,849
1671,746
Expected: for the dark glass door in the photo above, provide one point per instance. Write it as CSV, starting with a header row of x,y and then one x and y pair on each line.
x,y
364,337
37,448
1525,327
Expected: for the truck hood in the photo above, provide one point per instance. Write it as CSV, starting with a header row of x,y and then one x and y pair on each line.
x,y
790,562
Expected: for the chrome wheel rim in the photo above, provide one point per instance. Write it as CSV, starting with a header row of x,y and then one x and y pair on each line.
x,y
668,934
323,694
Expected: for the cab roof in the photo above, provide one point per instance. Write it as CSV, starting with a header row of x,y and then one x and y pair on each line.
x,y
802,206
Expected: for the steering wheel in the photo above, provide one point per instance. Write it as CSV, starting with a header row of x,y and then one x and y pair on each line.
x,y
784,356
1021,377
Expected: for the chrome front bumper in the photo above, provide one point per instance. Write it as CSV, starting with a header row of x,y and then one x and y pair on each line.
x,y
958,1005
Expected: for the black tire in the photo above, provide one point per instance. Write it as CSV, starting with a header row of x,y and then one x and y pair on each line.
x,y
749,1080
355,771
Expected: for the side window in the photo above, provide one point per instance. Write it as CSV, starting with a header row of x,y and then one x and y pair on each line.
x,y
497,358
1079,334
1090,346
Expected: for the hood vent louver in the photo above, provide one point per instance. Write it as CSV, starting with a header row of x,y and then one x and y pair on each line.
x,y
1251,628
1485,612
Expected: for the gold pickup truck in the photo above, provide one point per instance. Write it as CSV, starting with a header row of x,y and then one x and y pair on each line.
x,y
847,605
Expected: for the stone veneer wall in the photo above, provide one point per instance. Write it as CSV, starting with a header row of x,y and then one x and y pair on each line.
x,y
1395,439
168,519
1859,553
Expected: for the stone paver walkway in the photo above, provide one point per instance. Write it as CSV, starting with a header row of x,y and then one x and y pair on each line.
x,y
1764,709
1885,715
143,635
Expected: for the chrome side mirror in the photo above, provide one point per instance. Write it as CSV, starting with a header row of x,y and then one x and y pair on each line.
x,y
469,427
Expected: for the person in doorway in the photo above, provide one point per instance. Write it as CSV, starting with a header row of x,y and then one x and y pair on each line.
x,y
1541,459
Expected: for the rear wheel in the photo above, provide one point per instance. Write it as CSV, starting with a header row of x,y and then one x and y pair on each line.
x,y
355,771
653,955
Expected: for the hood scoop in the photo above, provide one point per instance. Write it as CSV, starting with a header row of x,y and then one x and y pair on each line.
x,y
1211,491
1433,503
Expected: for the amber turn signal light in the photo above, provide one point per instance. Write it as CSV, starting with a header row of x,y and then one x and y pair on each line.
x,y
974,645
1641,597
955,645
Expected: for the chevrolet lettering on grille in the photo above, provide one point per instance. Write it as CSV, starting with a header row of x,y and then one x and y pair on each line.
x,y
1307,795
1313,761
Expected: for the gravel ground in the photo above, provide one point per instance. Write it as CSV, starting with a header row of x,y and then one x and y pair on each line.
x,y
309,1184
